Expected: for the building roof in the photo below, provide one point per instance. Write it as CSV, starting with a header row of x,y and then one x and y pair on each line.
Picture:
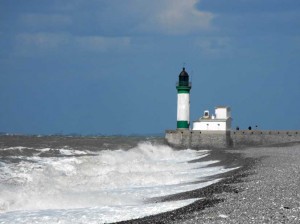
x,y
222,107
212,120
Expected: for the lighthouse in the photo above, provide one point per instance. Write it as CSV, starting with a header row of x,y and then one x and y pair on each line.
x,y
183,87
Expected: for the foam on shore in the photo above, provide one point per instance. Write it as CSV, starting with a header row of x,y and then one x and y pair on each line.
x,y
56,184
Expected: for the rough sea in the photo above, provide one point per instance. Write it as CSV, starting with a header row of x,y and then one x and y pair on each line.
x,y
61,179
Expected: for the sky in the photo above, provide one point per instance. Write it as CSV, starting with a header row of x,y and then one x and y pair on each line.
x,y
110,67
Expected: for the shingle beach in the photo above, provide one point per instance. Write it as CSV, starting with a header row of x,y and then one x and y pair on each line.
x,y
266,189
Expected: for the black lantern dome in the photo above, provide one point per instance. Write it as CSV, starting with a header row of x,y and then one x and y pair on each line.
x,y
183,78
183,72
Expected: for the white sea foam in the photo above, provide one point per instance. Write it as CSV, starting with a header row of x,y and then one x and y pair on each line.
x,y
67,151
70,152
113,185
13,148
91,215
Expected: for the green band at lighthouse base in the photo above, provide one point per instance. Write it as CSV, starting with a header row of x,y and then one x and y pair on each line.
x,y
183,89
182,124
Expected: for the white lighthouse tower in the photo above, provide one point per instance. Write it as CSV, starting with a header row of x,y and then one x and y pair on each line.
x,y
183,100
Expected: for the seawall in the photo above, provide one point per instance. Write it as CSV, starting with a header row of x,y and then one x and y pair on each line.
x,y
228,139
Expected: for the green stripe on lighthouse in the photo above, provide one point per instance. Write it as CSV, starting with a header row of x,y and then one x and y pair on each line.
x,y
182,124
183,90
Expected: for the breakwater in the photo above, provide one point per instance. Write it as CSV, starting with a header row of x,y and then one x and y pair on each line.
x,y
228,139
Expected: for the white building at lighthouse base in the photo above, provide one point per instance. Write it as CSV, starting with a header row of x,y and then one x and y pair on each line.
x,y
221,121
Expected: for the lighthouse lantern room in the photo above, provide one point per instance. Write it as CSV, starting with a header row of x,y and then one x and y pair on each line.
x,y
183,100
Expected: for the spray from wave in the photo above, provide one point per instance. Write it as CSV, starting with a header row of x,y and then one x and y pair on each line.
x,y
75,186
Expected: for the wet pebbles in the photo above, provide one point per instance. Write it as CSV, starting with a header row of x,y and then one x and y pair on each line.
x,y
266,189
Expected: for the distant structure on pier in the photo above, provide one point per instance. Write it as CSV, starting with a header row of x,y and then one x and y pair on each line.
x,y
220,121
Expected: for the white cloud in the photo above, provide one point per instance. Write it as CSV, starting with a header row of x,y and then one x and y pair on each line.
x,y
177,17
153,17
33,43
124,17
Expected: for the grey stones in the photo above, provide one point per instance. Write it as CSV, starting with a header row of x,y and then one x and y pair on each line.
x,y
271,194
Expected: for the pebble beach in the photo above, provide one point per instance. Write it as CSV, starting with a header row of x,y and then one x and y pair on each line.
x,y
266,189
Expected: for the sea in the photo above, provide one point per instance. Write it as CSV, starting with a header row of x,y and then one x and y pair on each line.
x,y
96,179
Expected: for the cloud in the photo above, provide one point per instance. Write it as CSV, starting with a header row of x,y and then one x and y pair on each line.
x,y
33,43
122,18
177,17
136,17
104,26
